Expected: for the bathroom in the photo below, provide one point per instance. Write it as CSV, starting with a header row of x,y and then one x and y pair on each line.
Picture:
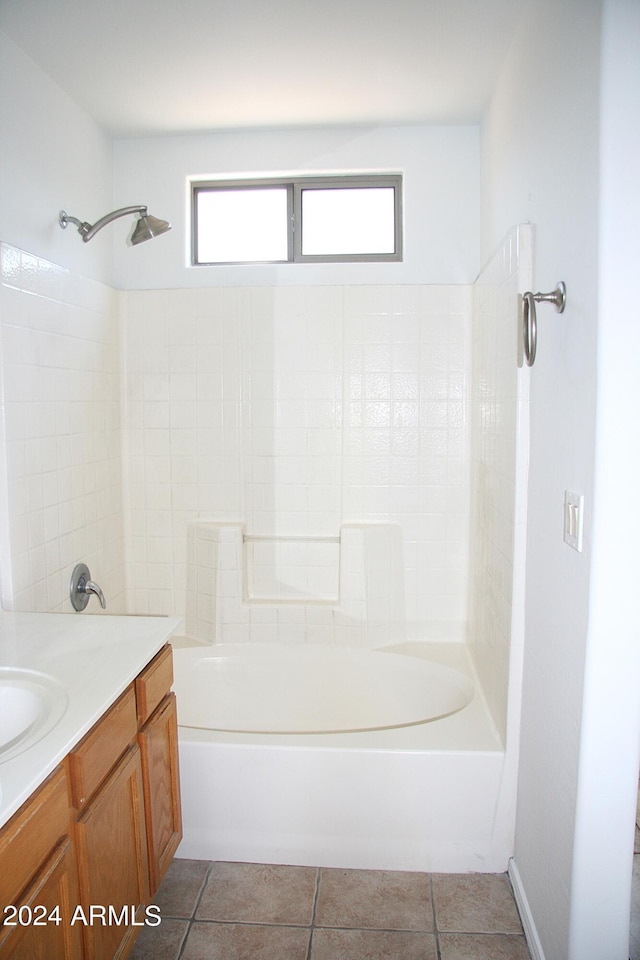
x,y
61,499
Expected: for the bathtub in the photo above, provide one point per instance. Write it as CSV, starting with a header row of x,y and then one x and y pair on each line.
x,y
325,756
312,688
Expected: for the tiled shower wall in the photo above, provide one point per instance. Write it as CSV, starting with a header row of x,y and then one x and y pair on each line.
x,y
293,411
61,483
499,470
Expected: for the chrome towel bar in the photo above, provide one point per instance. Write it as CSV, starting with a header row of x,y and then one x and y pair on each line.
x,y
530,321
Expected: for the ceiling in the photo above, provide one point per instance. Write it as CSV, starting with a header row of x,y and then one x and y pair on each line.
x,y
151,67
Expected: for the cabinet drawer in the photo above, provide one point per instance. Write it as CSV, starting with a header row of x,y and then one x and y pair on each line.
x,y
27,839
154,683
99,751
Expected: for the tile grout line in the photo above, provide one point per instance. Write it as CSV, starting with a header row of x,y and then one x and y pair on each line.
x,y
213,921
433,912
184,940
205,921
191,919
312,927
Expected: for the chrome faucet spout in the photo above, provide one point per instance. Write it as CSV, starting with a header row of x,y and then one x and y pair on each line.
x,y
91,587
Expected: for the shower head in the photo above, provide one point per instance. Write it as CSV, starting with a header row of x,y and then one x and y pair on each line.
x,y
146,227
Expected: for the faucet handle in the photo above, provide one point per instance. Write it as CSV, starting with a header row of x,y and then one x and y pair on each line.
x,y
82,586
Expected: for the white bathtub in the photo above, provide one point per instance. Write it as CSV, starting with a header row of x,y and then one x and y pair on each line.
x,y
409,779
312,688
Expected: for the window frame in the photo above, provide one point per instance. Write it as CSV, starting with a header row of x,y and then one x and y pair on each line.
x,y
295,187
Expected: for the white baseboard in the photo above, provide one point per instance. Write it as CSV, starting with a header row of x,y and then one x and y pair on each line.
x,y
530,932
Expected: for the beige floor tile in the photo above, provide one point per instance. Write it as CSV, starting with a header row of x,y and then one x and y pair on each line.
x,y
482,946
231,941
377,899
475,903
160,943
179,891
372,945
259,893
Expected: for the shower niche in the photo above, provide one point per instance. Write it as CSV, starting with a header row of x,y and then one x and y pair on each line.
x,y
346,589
293,569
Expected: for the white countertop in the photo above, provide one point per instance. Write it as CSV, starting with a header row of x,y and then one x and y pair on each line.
x,y
94,658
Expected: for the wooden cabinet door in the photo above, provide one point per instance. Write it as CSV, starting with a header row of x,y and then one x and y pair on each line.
x,y
43,924
159,746
112,860
28,839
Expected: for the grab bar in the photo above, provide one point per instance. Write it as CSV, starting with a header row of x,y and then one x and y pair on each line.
x,y
530,321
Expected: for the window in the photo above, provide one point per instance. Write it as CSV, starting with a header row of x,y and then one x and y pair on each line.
x,y
310,220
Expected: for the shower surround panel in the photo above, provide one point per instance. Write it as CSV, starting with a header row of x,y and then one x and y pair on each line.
x,y
185,417
499,474
295,411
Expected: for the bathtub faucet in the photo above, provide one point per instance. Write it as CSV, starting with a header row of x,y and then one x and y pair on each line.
x,y
82,586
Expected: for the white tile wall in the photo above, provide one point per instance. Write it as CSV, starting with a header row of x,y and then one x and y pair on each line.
x,y
291,368
499,464
291,412
62,471
406,448
203,571
182,435
294,411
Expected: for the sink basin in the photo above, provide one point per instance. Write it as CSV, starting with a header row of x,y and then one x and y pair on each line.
x,y
31,704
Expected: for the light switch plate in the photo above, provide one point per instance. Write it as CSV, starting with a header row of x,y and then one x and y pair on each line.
x,y
573,518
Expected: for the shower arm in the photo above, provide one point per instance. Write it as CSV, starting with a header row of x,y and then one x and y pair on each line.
x,y
88,231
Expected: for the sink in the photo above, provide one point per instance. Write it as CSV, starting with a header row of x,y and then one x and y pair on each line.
x,y
31,704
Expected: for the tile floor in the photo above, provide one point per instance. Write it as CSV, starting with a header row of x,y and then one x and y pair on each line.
x,y
249,911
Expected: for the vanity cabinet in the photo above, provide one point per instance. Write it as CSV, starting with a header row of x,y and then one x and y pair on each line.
x,y
100,833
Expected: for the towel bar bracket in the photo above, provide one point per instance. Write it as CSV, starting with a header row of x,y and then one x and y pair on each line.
x,y
557,297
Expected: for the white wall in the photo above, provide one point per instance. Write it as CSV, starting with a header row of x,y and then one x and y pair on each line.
x,y
441,192
607,787
542,142
53,157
